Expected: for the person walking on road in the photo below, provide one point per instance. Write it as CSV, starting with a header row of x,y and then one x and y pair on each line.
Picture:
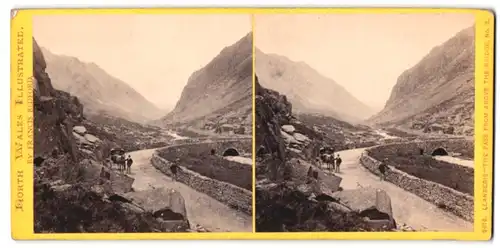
x,y
174,169
129,162
383,169
338,161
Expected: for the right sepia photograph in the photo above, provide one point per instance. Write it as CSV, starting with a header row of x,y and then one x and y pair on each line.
x,y
364,122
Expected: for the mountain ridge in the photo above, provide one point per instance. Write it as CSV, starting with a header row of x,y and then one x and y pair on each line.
x,y
307,89
221,91
99,91
437,91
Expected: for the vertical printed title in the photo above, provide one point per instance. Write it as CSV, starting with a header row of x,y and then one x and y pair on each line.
x,y
22,109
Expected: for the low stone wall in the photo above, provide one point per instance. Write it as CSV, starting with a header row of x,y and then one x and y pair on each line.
x,y
231,195
451,200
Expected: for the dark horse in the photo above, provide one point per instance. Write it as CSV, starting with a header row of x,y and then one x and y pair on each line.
x,y
118,158
326,155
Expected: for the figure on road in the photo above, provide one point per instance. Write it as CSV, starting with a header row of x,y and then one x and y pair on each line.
x,y
129,164
174,168
383,169
338,161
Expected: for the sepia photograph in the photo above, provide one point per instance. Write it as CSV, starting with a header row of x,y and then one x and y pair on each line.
x,y
364,122
142,123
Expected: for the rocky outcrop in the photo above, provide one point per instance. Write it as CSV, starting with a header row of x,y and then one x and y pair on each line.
x,y
439,90
220,92
55,113
271,111
72,188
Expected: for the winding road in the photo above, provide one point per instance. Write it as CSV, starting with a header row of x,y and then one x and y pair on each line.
x,y
407,208
201,209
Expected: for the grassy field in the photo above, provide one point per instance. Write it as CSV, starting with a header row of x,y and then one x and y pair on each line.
x,y
457,177
200,160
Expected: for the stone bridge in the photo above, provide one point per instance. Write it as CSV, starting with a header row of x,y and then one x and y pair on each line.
x,y
463,147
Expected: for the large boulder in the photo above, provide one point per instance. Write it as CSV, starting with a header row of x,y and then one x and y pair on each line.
x,y
167,205
288,128
91,138
371,203
79,130
300,137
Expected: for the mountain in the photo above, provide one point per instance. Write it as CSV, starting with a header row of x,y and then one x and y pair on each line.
x,y
98,91
437,94
307,89
220,92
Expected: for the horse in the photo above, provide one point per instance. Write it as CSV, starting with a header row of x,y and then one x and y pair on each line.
x,y
329,160
119,160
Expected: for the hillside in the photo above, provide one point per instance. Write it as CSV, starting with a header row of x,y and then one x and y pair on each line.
x,y
100,92
219,93
437,94
307,89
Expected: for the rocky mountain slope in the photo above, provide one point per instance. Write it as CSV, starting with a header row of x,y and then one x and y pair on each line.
x,y
218,94
74,191
437,94
307,89
97,90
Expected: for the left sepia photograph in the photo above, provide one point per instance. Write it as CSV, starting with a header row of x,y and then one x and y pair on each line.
x,y
142,123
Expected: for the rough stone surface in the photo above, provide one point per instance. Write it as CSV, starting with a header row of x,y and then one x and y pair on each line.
x,y
231,195
158,199
288,128
300,137
91,138
79,130
454,201
121,183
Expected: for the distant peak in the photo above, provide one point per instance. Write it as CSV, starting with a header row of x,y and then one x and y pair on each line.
x,y
246,39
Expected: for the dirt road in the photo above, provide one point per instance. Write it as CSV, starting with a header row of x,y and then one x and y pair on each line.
x,y
201,208
407,207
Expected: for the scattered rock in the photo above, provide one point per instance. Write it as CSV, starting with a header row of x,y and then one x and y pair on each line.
x,y
91,138
80,139
289,139
338,207
288,128
300,137
60,188
79,130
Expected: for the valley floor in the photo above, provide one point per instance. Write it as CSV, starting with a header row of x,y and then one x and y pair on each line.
x,y
202,209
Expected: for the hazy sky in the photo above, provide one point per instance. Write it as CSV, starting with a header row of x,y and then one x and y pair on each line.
x,y
155,54
365,53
